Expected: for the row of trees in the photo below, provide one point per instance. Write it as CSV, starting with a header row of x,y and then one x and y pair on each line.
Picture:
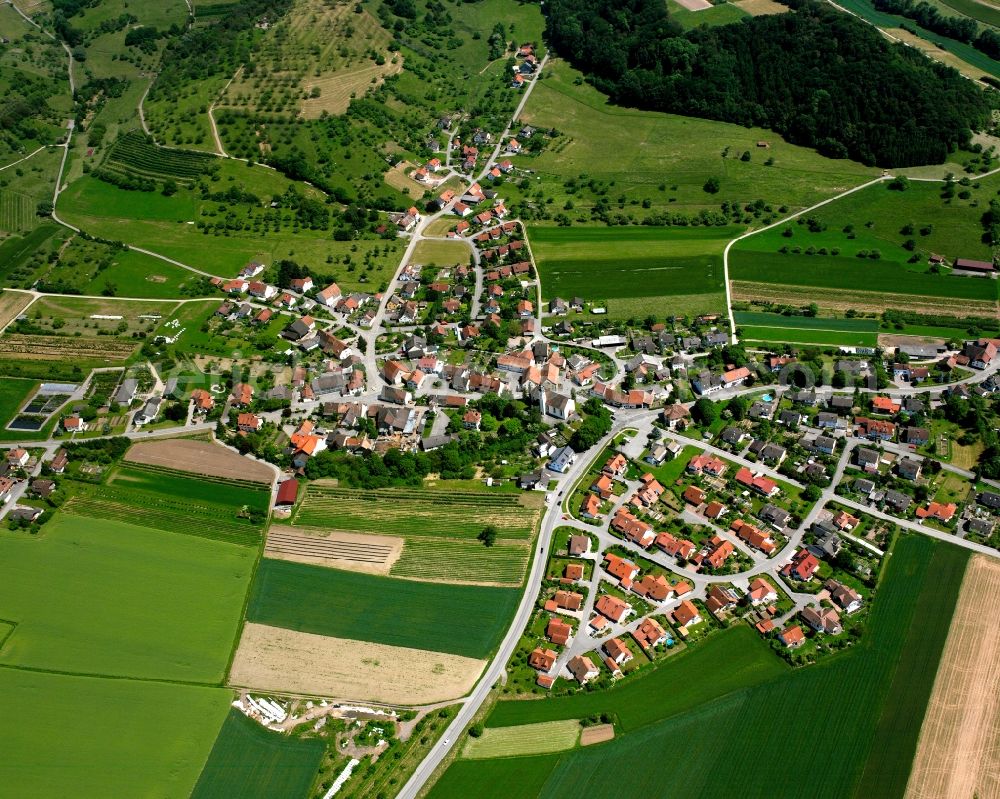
x,y
818,77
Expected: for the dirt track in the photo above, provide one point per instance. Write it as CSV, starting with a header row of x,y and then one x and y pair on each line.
x,y
199,457
958,753
274,659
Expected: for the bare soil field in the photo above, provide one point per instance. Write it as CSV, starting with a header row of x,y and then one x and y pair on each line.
x,y
835,300
199,457
11,304
695,5
597,735
372,554
958,753
274,659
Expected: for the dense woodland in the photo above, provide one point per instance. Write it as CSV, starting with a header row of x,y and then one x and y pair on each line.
x,y
817,76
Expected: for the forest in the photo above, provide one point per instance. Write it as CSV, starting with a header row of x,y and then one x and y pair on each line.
x,y
817,76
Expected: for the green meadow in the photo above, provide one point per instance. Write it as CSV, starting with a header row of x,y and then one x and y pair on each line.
x,y
13,393
460,619
637,152
854,718
121,600
771,327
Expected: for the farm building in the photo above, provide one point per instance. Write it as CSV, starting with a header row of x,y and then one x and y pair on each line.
x,y
288,492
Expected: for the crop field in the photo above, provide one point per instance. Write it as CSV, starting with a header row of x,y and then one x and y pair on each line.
x,y
414,512
254,763
772,327
177,483
13,393
956,754
90,737
122,600
460,619
373,554
984,12
866,10
672,270
525,739
643,150
872,700
135,154
501,778
174,503
686,680
449,560
797,335
277,659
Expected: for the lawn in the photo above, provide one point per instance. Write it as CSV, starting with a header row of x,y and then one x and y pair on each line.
x,y
605,264
251,762
459,619
416,512
94,738
871,700
441,253
671,470
121,600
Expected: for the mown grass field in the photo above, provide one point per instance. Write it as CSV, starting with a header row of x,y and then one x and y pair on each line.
x,y
670,269
462,620
93,738
642,150
121,600
871,700
254,763
883,220
525,739
415,512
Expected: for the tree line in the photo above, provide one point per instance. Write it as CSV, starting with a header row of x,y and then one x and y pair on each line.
x,y
818,77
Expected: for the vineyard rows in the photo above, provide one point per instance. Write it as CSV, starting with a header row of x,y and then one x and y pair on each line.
x,y
462,561
415,513
17,212
134,153
173,517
